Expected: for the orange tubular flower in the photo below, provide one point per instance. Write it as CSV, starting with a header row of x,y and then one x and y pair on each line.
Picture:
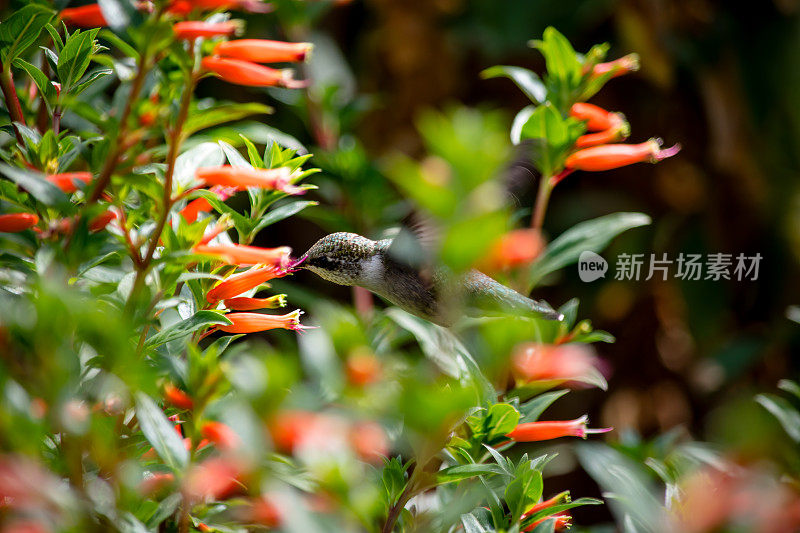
x,y
289,428
155,483
538,362
221,435
254,322
214,479
610,156
515,248
68,182
195,29
369,442
88,16
618,67
241,178
263,511
536,431
613,134
102,220
251,74
184,7
177,397
16,222
362,368
240,254
195,207
263,51
562,521
596,117
239,283
250,304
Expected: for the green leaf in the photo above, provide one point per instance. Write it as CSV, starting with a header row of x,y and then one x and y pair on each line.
x,y
280,213
471,524
532,409
501,419
219,114
394,480
784,411
199,320
593,235
461,472
789,386
37,186
159,433
22,29
527,80
39,78
524,490
75,57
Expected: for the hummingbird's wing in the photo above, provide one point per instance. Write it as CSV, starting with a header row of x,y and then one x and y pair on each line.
x,y
415,245
485,294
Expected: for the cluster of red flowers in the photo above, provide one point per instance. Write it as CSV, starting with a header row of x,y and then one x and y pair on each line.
x,y
600,149
68,182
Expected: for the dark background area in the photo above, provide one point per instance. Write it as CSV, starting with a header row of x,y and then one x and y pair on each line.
x,y
721,78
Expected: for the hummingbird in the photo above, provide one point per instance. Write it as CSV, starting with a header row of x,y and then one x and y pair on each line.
x,y
395,270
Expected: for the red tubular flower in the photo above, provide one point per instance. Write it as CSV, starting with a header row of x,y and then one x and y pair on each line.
x,y
369,442
102,220
596,117
562,521
241,178
362,368
251,74
536,431
16,222
68,181
538,362
610,156
240,254
196,29
254,322
613,134
88,16
156,482
250,304
184,7
288,428
195,207
221,435
263,51
213,479
177,397
239,283
262,511
618,67
515,248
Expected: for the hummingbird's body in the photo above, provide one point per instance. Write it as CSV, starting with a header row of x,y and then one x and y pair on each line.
x,y
350,259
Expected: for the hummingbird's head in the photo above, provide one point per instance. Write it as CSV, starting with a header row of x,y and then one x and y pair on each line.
x,y
343,258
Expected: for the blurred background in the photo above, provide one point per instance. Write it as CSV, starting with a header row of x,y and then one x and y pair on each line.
x,y
721,78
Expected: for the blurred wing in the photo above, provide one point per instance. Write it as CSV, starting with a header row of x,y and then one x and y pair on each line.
x,y
416,246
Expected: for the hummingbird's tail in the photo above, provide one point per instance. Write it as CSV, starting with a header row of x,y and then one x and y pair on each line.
x,y
485,293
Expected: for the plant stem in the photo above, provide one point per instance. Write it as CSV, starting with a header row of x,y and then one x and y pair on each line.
x,y
12,100
542,197
113,158
176,139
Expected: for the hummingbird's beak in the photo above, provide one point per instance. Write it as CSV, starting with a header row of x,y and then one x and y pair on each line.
x,y
294,264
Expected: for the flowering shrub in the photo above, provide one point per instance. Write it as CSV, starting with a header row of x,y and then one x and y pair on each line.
x,y
135,396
